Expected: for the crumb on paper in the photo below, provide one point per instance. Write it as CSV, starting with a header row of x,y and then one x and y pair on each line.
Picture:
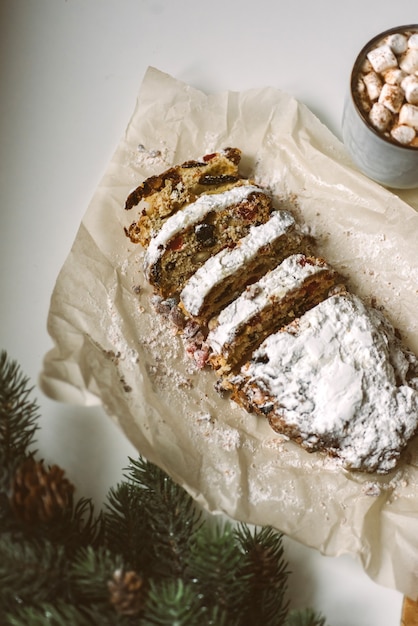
x,y
275,443
148,159
215,433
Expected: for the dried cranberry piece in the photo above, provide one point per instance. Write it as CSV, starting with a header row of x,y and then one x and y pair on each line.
x,y
176,243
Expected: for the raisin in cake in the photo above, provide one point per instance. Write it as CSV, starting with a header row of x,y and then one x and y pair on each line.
x,y
336,380
167,192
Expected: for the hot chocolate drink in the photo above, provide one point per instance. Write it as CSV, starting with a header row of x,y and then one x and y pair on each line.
x,y
385,87
380,116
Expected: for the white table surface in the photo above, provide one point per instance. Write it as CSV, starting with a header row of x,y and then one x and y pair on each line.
x,y
70,74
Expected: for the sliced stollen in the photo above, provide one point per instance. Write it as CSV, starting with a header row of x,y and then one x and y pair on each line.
x,y
337,380
225,275
201,229
285,292
166,193
241,283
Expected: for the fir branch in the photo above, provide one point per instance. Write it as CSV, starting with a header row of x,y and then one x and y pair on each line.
x,y
7,520
266,567
125,527
61,614
90,573
215,568
173,602
216,616
30,572
148,559
84,527
171,516
18,417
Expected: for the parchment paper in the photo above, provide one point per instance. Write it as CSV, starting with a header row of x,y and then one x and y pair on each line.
x,y
110,348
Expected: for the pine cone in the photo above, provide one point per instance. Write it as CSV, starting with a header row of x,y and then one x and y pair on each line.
x,y
127,593
39,494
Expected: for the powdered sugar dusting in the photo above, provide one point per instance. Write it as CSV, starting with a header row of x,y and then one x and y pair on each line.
x,y
118,346
338,379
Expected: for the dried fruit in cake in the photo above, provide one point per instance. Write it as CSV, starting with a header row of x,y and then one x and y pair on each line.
x,y
166,193
337,380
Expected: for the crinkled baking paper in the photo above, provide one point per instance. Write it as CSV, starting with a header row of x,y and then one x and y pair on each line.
x,y
110,348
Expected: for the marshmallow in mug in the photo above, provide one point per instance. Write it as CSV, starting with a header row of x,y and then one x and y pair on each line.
x,y
387,90
410,86
382,59
409,115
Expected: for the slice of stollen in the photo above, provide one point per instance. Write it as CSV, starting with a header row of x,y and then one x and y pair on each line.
x,y
290,289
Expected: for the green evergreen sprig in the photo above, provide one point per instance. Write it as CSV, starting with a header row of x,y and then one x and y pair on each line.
x,y
267,568
147,559
18,417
